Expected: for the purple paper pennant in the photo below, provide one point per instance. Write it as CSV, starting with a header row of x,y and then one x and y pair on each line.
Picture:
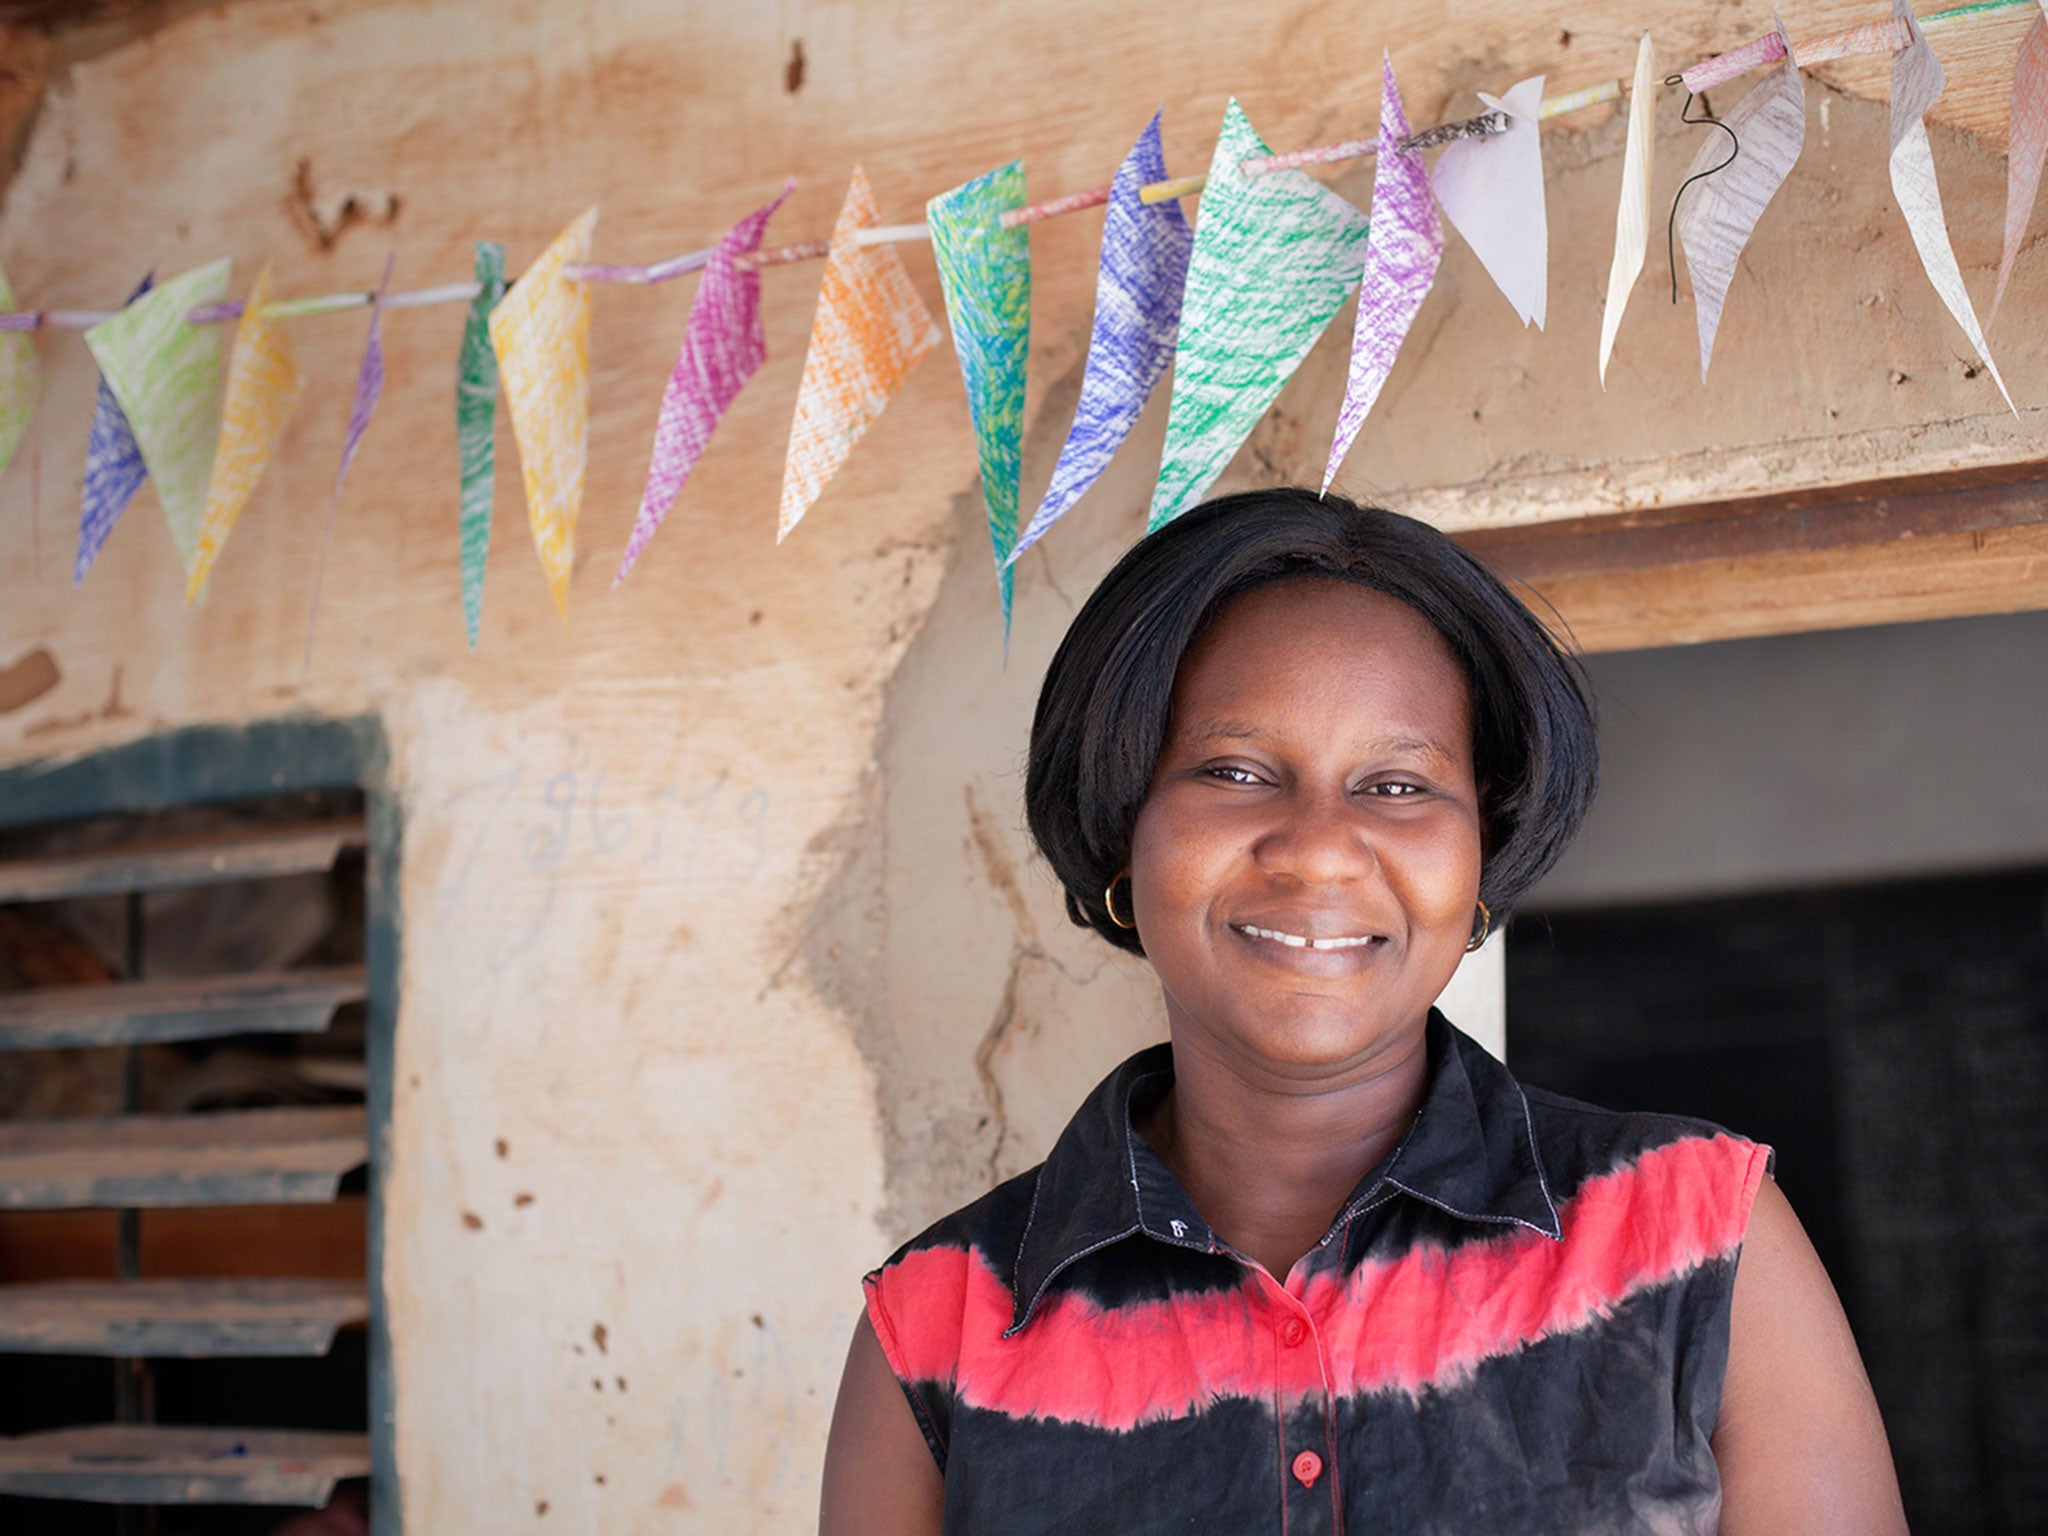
x,y
1137,318
1402,251
114,470
722,347
369,388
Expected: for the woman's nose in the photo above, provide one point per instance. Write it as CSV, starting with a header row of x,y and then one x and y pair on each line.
x,y
1318,837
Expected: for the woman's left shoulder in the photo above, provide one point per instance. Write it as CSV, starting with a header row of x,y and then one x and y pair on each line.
x,y
1676,1163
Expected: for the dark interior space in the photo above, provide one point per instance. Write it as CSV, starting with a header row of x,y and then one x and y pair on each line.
x,y
285,920
1890,1040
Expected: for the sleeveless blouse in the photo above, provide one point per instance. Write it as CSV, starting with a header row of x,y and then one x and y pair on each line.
x,y
1517,1323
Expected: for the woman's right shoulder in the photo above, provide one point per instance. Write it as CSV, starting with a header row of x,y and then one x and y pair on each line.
x,y
992,1226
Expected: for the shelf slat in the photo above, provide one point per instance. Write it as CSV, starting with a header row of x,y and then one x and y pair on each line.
x,y
255,853
247,1157
188,1319
189,1008
176,1464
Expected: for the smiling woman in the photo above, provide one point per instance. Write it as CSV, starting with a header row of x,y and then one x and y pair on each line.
x,y
1320,1263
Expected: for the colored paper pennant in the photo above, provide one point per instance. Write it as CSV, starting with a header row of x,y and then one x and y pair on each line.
x,y
1632,216
541,333
476,429
369,390
1274,257
1917,79
871,329
1717,213
114,470
264,384
1138,293
985,271
166,375
21,382
2026,144
722,347
1404,245
1491,188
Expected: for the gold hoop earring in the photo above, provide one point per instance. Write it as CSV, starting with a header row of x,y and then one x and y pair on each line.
x,y
1109,900
1485,928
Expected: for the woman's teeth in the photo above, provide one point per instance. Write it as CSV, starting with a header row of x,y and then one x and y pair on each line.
x,y
1296,941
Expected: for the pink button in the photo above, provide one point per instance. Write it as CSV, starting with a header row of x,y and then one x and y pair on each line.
x,y
1293,1331
1308,1466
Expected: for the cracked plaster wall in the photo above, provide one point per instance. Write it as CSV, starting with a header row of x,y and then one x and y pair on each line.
x,y
722,942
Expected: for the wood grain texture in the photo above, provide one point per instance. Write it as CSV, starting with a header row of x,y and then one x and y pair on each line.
x,y
1994,570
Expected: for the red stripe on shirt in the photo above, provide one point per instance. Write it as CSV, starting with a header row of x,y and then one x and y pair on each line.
x,y
1425,1319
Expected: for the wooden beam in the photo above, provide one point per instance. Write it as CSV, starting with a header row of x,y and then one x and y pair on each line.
x,y
187,1008
254,853
1888,552
187,1319
247,1157
167,1464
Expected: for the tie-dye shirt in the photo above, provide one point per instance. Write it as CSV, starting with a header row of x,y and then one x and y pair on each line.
x,y
1517,1323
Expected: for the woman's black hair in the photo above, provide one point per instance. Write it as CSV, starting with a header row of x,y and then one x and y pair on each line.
x,y
1102,713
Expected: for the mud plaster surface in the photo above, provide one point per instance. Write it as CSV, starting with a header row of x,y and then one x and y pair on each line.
x,y
718,913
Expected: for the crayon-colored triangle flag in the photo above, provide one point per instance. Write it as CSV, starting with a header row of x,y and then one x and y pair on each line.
x,y
871,329
1403,248
1717,212
1138,292
264,384
1632,214
722,347
114,470
1917,80
2026,144
165,373
1274,257
476,429
361,407
21,382
541,333
985,271
1491,189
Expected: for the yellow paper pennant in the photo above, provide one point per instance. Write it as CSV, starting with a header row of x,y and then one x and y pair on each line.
x,y
264,385
541,333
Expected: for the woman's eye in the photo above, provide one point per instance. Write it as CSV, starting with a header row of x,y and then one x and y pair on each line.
x,y
1394,789
1232,773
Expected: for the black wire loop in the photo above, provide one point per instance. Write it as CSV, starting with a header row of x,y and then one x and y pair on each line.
x,y
1671,223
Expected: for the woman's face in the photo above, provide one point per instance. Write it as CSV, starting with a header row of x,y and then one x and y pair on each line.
x,y
1305,866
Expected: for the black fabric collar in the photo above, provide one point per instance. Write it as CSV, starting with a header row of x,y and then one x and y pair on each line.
x,y
1471,1152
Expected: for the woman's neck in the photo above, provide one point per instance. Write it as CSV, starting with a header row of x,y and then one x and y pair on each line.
x,y
1269,1160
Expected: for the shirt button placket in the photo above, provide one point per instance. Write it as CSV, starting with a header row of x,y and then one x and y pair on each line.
x,y
1307,1492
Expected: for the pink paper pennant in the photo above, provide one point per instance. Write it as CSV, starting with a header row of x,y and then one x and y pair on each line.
x,y
2025,146
722,347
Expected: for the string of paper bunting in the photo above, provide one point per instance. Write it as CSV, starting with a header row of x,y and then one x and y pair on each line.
x,y
1232,303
